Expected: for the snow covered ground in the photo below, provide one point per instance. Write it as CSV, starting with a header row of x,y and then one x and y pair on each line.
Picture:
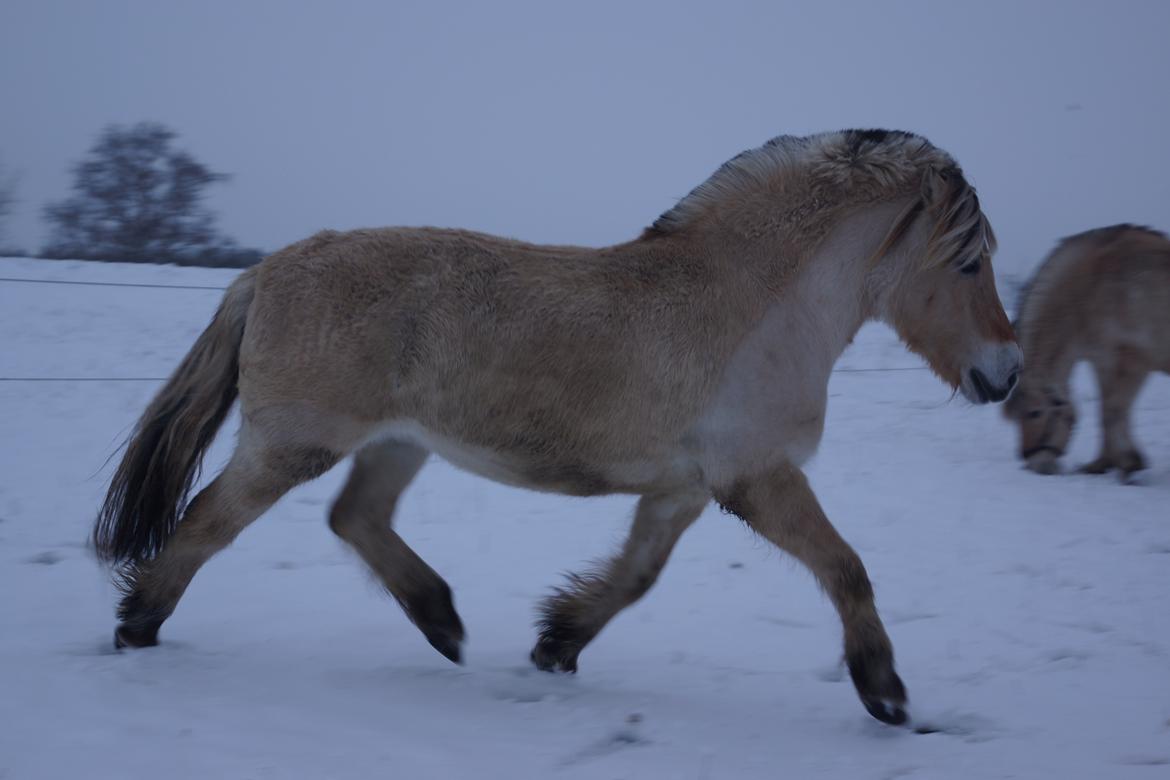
x,y
1028,613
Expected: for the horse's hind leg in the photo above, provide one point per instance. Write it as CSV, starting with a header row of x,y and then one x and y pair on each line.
x,y
574,615
362,516
255,477
1119,382
781,507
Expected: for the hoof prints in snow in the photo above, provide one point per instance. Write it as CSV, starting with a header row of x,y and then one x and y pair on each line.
x,y
1145,761
898,618
833,674
968,727
622,738
45,559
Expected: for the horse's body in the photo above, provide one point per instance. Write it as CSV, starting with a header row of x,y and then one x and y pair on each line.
x,y
691,362
1102,296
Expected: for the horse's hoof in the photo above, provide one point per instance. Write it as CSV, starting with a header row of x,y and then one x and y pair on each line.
x,y
880,688
1130,463
127,636
1127,463
1098,466
885,710
554,657
449,646
434,614
1043,463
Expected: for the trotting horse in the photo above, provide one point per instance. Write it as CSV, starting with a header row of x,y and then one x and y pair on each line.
x,y
689,363
1102,296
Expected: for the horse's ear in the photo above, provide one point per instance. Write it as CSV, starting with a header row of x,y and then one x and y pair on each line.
x,y
961,233
938,185
938,197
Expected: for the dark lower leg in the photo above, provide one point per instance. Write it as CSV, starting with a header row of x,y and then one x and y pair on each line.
x,y
575,614
362,516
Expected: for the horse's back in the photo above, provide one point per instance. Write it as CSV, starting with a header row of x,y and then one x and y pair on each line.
x,y
1123,273
507,346
339,294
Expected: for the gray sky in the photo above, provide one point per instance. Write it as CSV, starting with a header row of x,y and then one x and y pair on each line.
x,y
580,122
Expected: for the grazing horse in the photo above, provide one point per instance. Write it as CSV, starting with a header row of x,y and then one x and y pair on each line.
x,y
690,363
1102,296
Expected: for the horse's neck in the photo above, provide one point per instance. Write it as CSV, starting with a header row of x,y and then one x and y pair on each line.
x,y
810,306
832,287
808,294
829,297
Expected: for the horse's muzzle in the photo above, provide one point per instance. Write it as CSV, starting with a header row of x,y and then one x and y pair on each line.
x,y
993,373
986,391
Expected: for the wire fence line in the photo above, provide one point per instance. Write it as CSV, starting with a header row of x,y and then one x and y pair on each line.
x,y
19,280
83,378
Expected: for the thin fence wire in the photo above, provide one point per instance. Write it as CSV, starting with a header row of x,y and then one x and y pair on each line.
x,y
17,280
83,379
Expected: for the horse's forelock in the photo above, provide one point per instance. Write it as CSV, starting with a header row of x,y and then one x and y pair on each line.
x,y
962,234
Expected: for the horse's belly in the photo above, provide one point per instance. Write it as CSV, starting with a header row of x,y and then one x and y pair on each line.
x,y
565,474
478,460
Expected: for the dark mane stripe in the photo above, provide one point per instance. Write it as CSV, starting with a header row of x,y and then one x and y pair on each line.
x,y
876,136
747,165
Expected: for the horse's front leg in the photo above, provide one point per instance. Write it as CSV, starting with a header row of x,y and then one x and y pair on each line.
x,y
782,508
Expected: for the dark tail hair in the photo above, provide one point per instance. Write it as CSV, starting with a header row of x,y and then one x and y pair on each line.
x,y
150,488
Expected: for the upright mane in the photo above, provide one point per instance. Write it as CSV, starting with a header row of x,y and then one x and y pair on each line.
x,y
844,168
1046,276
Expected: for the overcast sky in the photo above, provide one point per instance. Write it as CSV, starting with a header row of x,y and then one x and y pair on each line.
x,y
579,122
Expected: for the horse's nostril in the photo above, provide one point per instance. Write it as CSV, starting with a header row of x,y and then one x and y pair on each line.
x,y
1013,377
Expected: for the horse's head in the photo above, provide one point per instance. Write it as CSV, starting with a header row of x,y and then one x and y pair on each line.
x,y
1046,419
938,291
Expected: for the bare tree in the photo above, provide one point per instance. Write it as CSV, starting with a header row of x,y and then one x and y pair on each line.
x,y
136,198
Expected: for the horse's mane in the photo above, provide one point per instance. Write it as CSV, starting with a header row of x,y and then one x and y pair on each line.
x,y
868,165
1033,293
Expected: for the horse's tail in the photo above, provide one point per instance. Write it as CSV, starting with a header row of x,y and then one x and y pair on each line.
x,y
149,490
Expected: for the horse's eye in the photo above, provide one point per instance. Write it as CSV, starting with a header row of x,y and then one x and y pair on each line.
x,y
970,269
1032,415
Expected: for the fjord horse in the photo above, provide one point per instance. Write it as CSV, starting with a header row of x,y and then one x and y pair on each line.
x,y
688,364
1102,296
